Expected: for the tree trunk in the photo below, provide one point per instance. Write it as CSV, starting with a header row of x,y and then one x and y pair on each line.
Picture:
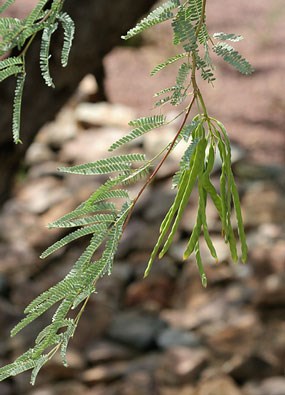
x,y
99,26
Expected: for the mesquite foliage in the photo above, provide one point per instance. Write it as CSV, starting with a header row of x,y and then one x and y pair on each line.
x,y
99,217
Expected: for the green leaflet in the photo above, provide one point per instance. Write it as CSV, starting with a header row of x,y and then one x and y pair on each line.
x,y
142,126
178,95
69,31
169,61
183,29
105,166
9,71
159,15
71,237
9,62
17,107
231,56
227,37
45,53
36,13
6,5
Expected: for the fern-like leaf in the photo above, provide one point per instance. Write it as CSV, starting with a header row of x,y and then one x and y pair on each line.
x,y
45,53
71,237
184,31
105,166
69,31
9,62
6,5
179,93
227,37
17,107
114,238
169,61
142,126
98,218
9,71
35,14
231,56
81,211
159,15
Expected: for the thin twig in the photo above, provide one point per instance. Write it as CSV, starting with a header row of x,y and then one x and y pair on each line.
x,y
156,170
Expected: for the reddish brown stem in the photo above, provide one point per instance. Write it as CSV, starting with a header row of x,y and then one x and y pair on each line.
x,y
156,170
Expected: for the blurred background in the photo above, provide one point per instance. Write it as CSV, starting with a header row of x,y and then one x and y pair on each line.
x,y
164,335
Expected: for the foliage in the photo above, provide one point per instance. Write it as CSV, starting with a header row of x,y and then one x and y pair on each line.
x,y
17,35
100,217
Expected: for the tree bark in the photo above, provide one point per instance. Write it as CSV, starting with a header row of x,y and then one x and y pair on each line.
x,y
99,26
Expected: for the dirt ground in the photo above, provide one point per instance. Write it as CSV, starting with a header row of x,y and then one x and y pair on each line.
x,y
252,108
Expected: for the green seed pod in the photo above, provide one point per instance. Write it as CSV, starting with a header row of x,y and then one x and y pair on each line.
x,y
196,169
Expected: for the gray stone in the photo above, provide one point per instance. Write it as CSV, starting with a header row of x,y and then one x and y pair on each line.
x,y
104,114
174,337
135,329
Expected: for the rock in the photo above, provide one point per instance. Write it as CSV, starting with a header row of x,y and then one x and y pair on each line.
x,y
185,390
267,249
87,88
137,383
38,153
172,337
137,236
237,335
181,365
272,293
40,195
203,315
135,329
105,373
255,171
105,351
64,388
151,293
55,371
263,202
45,169
111,288
157,204
90,145
104,114
273,386
56,134
177,249
247,367
218,386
